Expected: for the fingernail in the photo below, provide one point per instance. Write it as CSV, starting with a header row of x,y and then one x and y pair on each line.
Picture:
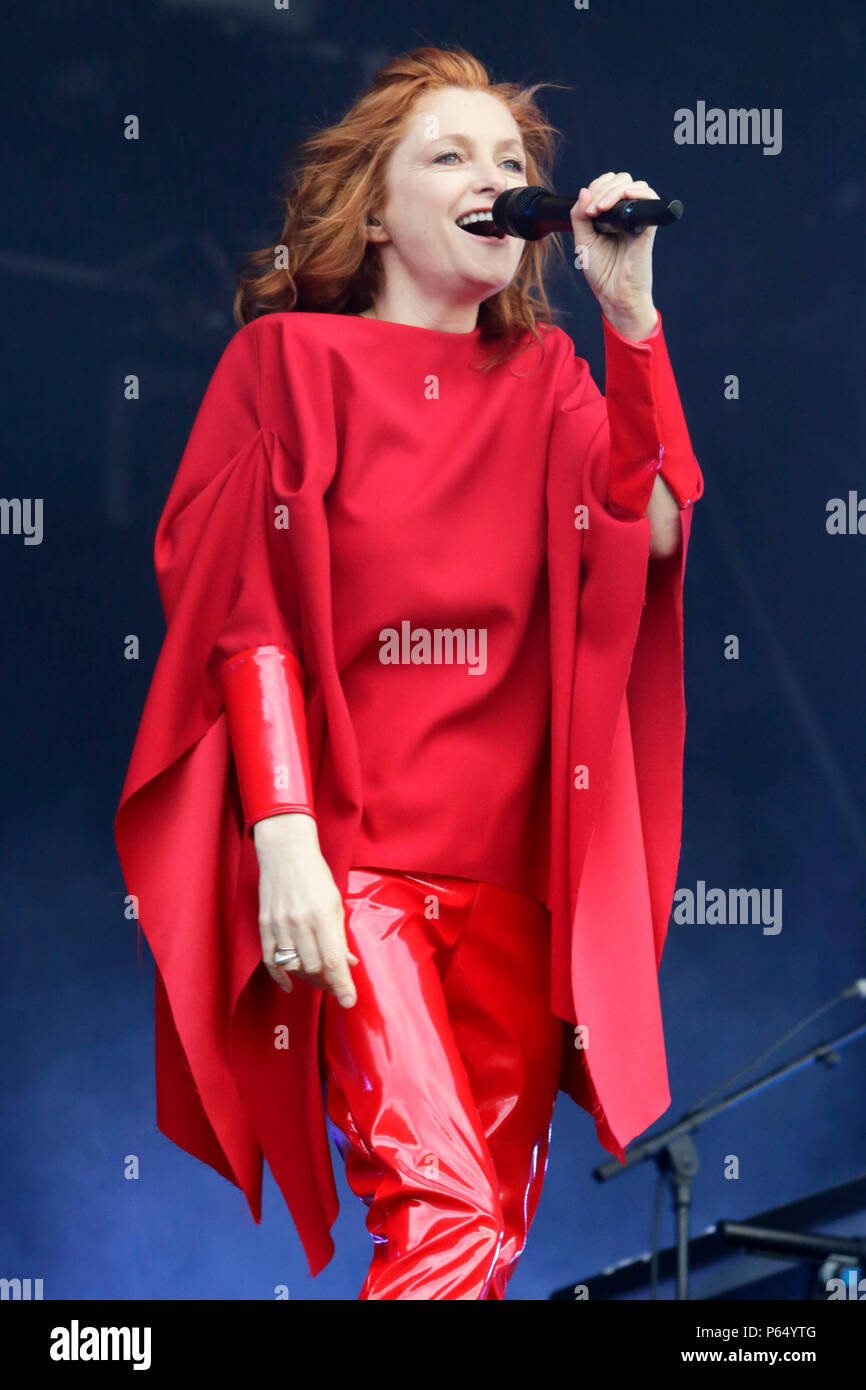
x,y
347,1000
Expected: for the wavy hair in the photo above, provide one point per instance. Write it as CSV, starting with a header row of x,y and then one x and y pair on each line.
x,y
323,261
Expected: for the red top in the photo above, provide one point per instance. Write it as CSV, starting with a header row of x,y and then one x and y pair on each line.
x,y
438,541
345,475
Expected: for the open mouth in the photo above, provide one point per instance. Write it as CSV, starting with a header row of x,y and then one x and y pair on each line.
x,y
480,224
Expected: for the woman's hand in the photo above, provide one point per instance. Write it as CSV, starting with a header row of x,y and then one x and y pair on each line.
x,y
618,267
300,906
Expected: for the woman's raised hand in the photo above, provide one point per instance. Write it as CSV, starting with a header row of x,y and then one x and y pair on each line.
x,y
617,268
300,907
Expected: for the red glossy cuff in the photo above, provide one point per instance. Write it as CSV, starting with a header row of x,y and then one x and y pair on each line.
x,y
263,689
648,432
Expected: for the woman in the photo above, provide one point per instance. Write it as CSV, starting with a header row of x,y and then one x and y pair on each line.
x,y
422,681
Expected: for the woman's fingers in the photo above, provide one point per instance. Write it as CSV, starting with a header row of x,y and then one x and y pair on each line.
x,y
611,191
323,957
300,909
303,937
270,946
609,188
602,191
335,952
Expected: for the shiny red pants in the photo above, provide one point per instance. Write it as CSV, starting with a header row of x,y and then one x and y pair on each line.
x,y
442,1078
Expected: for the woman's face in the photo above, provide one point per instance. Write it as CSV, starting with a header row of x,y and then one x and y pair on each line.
x,y
461,150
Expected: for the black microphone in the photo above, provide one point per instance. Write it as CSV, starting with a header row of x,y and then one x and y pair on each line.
x,y
533,212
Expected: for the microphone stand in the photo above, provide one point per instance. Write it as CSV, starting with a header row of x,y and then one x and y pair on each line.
x,y
676,1156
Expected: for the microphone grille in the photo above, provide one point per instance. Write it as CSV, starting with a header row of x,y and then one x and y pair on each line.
x,y
511,205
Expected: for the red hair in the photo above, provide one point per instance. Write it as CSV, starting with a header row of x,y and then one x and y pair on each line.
x,y
323,261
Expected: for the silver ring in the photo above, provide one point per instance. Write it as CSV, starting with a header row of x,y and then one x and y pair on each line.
x,y
283,955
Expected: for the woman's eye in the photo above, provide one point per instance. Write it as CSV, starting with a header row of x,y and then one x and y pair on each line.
x,y
521,167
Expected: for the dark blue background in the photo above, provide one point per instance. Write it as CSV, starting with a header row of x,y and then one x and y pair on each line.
x,y
119,257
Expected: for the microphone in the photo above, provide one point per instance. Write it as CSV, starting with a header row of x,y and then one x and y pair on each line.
x,y
533,212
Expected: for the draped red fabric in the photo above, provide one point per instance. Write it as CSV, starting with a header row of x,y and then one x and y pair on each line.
x,y
237,1061
618,710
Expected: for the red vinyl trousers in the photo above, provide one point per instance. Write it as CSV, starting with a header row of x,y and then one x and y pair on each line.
x,y
442,1078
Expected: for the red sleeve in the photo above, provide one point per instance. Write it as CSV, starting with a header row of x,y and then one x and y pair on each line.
x,y
263,689
648,432
228,577
228,599
223,563
618,710
225,569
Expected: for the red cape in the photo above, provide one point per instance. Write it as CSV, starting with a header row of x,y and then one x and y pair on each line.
x,y
225,1092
